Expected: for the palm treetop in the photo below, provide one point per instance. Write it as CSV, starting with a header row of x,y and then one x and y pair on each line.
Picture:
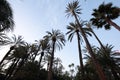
x,y
104,14
73,8
73,28
57,37
16,41
112,12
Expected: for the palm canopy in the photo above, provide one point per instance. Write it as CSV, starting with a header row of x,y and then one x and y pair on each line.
x,y
6,16
44,46
57,37
103,14
17,40
4,39
73,28
73,8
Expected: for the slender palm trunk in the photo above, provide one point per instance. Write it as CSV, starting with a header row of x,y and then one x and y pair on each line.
x,y
80,56
113,24
11,48
42,54
97,39
35,54
97,66
9,74
50,76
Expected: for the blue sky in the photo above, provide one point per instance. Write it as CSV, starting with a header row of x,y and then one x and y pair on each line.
x,y
34,17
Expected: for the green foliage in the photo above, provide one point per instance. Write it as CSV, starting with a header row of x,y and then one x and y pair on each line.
x,y
103,14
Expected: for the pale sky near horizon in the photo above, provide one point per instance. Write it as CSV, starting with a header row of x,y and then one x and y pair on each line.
x,y
34,17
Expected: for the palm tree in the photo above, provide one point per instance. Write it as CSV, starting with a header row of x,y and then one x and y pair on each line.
x,y
18,57
15,43
104,15
6,16
56,39
74,29
44,48
73,9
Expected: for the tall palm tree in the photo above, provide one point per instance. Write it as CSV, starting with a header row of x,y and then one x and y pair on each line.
x,y
73,9
104,15
74,29
56,39
15,42
6,16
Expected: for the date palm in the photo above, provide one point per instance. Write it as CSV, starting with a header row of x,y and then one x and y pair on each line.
x,y
44,48
15,42
73,9
74,29
18,58
56,39
6,16
104,15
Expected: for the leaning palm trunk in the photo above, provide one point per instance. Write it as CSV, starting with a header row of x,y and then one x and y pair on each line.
x,y
97,66
11,48
113,24
12,68
80,57
50,76
97,39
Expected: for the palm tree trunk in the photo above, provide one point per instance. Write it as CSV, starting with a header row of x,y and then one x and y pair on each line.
x,y
11,48
50,76
42,54
97,39
113,24
8,75
97,66
80,56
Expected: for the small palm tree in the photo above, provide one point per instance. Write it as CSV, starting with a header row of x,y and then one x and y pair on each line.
x,y
104,15
44,48
73,9
56,39
6,16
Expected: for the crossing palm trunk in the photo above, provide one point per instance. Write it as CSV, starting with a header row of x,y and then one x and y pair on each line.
x,y
97,39
11,48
